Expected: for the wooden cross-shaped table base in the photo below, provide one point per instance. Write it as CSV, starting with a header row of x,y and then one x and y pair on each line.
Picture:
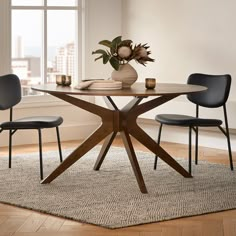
x,y
116,120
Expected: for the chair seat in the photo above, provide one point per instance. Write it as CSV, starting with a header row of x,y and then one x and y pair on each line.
x,y
34,122
184,120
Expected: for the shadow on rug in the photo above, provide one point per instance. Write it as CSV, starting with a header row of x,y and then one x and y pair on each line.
x,y
111,197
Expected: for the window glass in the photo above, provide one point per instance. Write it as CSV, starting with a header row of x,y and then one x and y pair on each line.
x,y
27,2
61,2
44,41
27,47
61,43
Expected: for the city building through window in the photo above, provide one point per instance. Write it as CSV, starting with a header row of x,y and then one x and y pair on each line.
x,y
46,35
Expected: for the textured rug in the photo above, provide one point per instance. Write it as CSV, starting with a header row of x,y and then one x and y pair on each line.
x,y
111,197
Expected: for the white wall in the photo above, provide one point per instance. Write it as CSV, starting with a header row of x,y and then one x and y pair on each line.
x,y
185,36
104,19
104,22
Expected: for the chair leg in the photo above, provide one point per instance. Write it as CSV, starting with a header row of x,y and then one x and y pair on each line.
x,y
196,146
40,154
59,143
190,151
158,141
228,138
230,152
10,148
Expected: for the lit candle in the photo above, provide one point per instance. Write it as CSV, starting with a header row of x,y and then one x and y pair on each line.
x,y
150,83
64,80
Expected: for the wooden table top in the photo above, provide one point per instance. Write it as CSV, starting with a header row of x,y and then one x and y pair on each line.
x,y
137,89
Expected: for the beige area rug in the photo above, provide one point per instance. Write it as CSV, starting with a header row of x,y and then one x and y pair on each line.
x,y
111,197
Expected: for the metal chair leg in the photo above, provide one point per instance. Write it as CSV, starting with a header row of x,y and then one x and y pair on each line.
x,y
230,152
59,143
10,148
196,146
228,138
158,141
190,151
40,154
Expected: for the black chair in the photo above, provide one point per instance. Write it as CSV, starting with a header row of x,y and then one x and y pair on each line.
x,y
215,96
10,95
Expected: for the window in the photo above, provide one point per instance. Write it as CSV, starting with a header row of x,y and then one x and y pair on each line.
x,y
46,40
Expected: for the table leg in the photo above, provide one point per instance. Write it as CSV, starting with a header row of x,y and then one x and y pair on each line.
x,y
148,142
86,146
105,147
133,160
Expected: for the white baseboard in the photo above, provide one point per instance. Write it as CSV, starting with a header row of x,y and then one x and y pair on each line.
x,y
207,138
77,125
67,133
212,138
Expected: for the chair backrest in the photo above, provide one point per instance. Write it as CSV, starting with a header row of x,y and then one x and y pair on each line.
x,y
10,91
217,93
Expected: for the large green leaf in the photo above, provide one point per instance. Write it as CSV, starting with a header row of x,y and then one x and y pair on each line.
x,y
99,51
116,40
113,50
114,63
106,43
98,58
105,58
114,44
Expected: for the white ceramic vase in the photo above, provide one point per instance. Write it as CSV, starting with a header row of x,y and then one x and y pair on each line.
x,y
126,74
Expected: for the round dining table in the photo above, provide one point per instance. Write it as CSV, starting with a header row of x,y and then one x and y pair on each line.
x,y
115,120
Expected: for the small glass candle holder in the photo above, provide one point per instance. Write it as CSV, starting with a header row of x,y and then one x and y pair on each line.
x,y
64,80
150,83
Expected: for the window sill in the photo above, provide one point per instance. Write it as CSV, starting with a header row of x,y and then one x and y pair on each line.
x,y
46,101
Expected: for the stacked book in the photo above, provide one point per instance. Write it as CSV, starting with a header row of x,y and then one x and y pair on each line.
x,y
99,84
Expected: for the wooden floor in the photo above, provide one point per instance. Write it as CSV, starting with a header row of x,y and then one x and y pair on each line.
x,y
20,222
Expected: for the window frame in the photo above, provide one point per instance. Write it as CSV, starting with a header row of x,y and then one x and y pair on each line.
x,y
80,37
